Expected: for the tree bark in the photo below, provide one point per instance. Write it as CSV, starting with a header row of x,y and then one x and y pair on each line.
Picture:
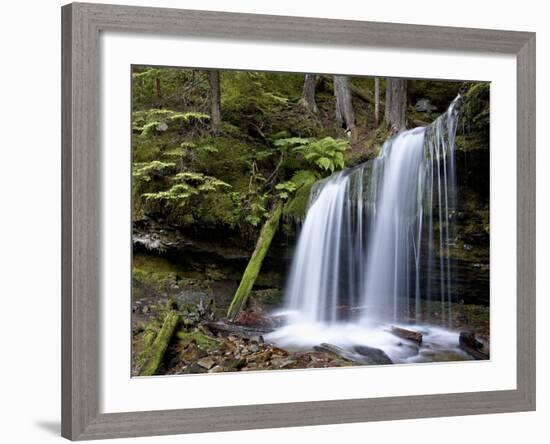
x,y
255,263
396,104
344,108
308,94
215,100
156,98
377,101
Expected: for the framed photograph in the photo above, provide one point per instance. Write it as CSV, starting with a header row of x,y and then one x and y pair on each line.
x,y
278,221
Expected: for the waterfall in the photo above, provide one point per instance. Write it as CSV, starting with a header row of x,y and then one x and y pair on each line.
x,y
375,243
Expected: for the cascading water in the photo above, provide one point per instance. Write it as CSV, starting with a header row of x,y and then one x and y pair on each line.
x,y
374,246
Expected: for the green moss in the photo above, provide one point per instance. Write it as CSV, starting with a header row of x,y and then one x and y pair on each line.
x,y
200,339
157,349
296,207
154,276
475,313
255,263
474,121
144,339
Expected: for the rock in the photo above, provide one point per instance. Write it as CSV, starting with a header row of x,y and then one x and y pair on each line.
x,y
232,364
283,362
261,357
376,355
207,362
216,369
425,106
468,342
339,352
469,338
279,351
162,127
193,368
407,334
192,353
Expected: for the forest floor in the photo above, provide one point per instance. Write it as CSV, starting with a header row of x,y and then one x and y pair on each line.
x,y
202,342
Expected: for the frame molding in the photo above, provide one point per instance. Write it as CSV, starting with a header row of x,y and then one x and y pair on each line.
x,y
81,239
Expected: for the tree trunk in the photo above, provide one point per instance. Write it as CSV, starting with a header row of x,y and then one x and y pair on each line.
x,y
157,98
308,94
344,108
255,263
396,104
155,353
377,101
215,101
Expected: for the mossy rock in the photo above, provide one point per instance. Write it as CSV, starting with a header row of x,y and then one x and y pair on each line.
x,y
203,341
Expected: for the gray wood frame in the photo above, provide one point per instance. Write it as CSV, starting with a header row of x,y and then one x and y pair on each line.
x,y
81,231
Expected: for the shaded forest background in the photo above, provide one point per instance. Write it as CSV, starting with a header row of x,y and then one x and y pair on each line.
x,y
206,167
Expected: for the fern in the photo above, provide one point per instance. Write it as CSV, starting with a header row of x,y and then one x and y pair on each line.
x,y
326,153
300,179
144,172
185,185
147,122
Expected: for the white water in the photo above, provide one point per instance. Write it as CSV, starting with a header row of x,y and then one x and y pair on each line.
x,y
374,247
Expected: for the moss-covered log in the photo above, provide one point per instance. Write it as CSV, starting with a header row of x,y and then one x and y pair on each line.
x,y
255,263
158,347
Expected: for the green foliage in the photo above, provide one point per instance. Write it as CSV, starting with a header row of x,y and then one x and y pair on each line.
x,y
199,338
186,185
144,172
292,142
285,189
257,213
149,122
300,179
296,206
326,153
264,92
266,149
179,88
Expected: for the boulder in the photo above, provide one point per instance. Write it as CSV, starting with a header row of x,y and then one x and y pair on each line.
x,y
377,356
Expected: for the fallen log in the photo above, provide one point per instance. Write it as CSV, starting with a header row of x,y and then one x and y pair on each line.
x,y
409,335
238,330
155,352
467,341
256,260
375,355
